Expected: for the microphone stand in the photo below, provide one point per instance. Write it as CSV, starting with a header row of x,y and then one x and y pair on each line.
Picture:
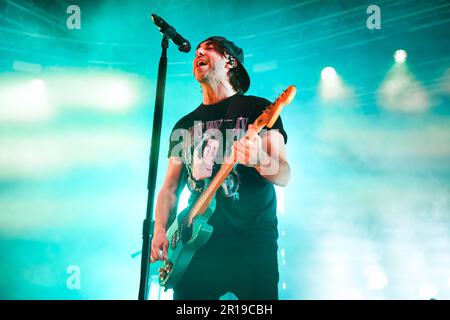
x,y
147,228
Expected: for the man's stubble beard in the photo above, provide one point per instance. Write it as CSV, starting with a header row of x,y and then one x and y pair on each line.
x,y
210,78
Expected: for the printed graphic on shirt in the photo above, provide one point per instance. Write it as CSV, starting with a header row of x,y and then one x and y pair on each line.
x,y
207,150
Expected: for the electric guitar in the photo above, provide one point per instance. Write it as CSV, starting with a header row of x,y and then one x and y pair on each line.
x,y
191,230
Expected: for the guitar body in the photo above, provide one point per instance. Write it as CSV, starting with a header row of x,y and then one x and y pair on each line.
x,y
184,241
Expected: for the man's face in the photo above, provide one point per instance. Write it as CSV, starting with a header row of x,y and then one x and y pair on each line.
x,y
209,63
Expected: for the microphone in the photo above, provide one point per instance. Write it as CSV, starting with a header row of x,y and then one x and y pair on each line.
x,y
182,44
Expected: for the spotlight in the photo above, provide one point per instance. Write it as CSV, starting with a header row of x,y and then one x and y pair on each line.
x,y
37,86
328,73
332,87
400,56
37,92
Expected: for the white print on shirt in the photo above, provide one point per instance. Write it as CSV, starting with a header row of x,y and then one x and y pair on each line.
x,y
203,165
201,146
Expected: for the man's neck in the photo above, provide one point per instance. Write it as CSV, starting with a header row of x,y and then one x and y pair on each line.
x,y
214,93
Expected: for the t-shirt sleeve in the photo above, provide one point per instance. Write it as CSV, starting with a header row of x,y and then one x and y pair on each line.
x,y
177,139
259,106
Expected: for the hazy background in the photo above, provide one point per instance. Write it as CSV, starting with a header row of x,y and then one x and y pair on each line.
x,y
367,212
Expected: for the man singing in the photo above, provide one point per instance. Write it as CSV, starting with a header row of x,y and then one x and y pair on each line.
x,y
241,255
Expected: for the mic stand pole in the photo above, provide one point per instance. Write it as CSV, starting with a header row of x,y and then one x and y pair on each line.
x,y
147,228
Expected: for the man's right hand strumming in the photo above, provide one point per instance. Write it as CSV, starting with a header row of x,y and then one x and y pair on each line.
x,y
159,245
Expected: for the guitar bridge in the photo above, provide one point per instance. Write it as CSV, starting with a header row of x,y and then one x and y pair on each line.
x,y
165,270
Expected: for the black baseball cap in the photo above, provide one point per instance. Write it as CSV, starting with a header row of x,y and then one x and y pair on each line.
x,y
238,54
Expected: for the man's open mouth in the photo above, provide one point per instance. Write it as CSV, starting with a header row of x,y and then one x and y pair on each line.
x,y
201,63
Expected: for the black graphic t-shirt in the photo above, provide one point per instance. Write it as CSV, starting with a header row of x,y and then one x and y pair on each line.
x,y
246,201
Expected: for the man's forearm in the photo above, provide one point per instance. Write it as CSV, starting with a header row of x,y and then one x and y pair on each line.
x,y
277,171
164,206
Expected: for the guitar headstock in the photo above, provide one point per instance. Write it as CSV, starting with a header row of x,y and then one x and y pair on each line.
x,y
272,112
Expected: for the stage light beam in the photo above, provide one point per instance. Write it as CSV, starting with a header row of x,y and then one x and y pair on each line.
x,y
24,100
400,91
332,87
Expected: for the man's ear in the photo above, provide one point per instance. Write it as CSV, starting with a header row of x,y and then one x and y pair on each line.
x,y
232,63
